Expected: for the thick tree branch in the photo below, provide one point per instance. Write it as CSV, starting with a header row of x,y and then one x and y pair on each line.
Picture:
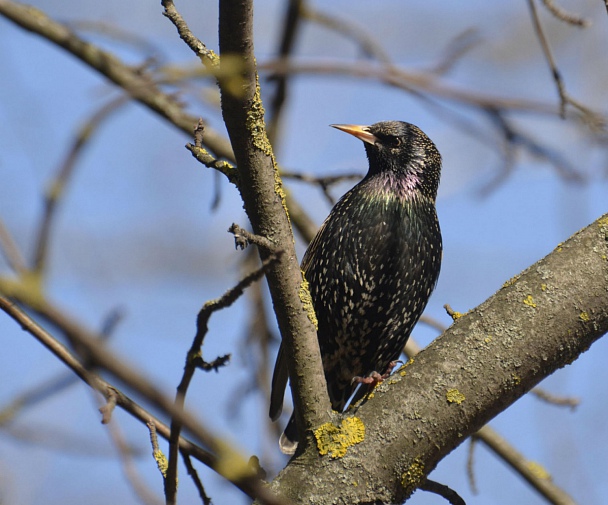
x,y
264,199
537,323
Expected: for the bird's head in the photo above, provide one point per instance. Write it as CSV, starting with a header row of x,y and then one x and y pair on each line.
x,y
400,149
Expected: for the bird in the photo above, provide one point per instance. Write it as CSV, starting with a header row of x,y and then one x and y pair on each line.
x,y
371,267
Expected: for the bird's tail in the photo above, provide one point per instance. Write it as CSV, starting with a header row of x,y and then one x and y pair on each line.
x,y
288,443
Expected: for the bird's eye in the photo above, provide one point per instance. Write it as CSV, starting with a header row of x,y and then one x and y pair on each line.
x,y
394,141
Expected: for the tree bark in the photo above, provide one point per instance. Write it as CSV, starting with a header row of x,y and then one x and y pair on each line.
x,y
540,321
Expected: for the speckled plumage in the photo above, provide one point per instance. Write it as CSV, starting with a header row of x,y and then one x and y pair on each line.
x,y
373,264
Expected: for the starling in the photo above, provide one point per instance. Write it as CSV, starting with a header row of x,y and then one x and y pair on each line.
x,y
372,265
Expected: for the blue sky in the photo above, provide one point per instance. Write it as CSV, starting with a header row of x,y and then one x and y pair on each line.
x,y
136,231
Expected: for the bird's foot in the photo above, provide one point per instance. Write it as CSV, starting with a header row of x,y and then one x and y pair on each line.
x,y
375,378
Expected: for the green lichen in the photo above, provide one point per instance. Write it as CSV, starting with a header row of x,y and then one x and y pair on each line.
x,y
529,301
413,476
516,379
335,441
454,396
603,221
306,300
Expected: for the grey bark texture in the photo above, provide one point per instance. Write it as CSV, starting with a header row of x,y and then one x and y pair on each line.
x,y
538,322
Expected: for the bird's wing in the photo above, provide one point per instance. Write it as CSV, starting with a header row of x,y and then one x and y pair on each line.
x,y
279,383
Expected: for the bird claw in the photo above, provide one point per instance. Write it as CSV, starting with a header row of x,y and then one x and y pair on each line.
x,y
375,378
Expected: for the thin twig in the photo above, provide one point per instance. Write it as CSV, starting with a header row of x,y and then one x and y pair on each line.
x,y
566,16
442,490
544,44
242,238
195,352
368,44
523,467
291,25
207,56
562,401
471,464
11,251
125,454
203,156
565,99
57,187
514,139
244,480
195,478
455,49
324,182
52,386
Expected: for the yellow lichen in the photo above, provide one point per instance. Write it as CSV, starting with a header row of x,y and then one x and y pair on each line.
x,y
255,122
516,378
488,339
231,464
584,316
559,247
161,461
529,301
454,396
603,221
538,470
456,315
404,366
335,441
413,476
543,287
511,281
306,300
27,288
279,189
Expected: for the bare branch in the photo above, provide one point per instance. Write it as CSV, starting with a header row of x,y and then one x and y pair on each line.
x,y
561,401
240,476
11,251
291,26
564,97
207,56
532,472
196,479
264,200
450,495
368,45
195,355
58,185
566,16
